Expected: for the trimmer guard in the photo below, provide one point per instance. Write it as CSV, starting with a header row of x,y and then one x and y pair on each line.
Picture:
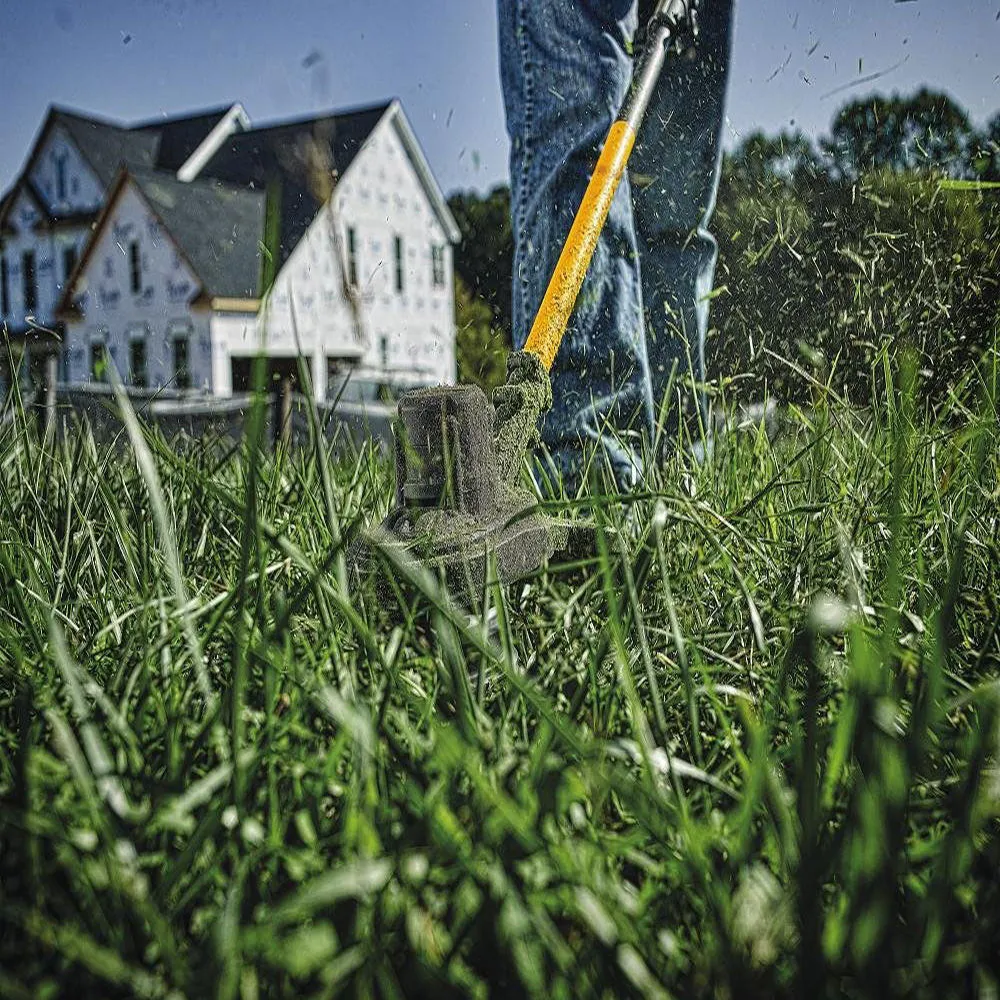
x,y
451,508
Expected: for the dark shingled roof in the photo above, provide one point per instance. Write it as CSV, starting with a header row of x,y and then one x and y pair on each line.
x,y
180,137
218,220
106,146
216,226
165,143
279,156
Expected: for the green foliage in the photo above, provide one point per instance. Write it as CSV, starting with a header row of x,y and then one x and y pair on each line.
x,y
484,258
746,749
768,243
991,149
918,269
772,162
846,249
270,247
483,262
859,250
923,131
810,264
482,353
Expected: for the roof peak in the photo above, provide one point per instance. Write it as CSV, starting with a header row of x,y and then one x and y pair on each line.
x,y
159,121
299,120
164,119
218,110
65,111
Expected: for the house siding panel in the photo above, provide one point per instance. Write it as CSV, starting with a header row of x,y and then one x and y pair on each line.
x,y
405,337
26,239
112,312
30,232
380,198
82,190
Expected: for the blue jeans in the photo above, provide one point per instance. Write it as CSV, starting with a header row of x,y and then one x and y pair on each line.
x,y
641,319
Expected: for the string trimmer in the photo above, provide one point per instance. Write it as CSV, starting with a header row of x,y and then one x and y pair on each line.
x,y
458,459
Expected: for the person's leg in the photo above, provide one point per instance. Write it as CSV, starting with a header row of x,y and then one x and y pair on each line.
x,y
565,69
675,175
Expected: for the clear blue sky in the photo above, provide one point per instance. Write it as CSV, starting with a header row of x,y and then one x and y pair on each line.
x,y
135,59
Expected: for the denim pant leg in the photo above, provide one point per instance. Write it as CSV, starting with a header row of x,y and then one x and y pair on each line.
x,y
565,69
675,175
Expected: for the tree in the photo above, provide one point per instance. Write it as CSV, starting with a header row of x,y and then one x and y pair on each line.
x,y
990,150
767,281
862,251
926,131
484,258
482,353
907,264
789,158
990,210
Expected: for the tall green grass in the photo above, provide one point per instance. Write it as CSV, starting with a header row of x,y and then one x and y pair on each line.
x,y
749,748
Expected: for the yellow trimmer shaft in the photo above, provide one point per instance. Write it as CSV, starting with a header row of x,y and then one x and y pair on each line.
x,y
671,19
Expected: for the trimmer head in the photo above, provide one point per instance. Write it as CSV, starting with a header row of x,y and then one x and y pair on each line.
x,y
456,494
452,509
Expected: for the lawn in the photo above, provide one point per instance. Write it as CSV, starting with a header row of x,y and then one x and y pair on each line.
x,y
748,748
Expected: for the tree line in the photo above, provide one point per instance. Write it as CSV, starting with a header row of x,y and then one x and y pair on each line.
x,y
832,253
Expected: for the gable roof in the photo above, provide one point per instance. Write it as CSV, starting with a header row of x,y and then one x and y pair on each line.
x,y
103,144
294,156
284,171
179,137
289,156
107,145
216,227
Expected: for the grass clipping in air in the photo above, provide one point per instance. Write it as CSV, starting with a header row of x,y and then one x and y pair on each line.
x,y
748,748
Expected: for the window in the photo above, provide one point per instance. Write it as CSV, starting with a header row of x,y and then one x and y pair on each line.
x,y
69,262
352,257
437,266
61,178
98,362
4,287
398,243
182,371
135,267
383,350
30,286
137,372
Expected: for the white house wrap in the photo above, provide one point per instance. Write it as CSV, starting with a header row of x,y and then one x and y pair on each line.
x,y
202,243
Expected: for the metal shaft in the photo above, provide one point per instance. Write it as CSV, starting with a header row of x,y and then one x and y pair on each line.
x,y
51,375
567,279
